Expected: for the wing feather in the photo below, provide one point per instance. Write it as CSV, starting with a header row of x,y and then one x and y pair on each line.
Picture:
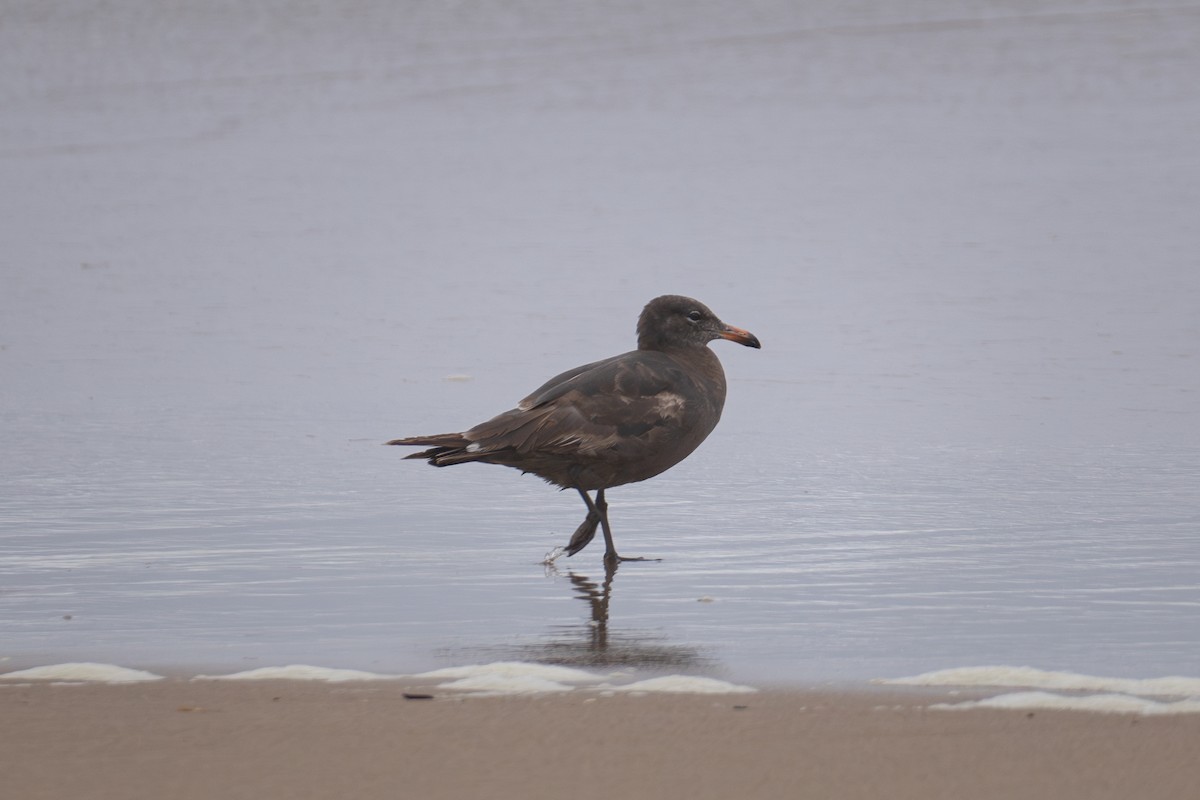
x,y
614,421
590,410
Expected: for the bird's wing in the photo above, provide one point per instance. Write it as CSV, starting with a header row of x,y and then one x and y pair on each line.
x,y
564,381
616,402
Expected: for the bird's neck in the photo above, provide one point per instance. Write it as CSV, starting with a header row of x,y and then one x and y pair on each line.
x,y
700,359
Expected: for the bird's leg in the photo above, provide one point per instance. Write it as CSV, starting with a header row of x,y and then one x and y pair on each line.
x,y
586,530
597,515
610,550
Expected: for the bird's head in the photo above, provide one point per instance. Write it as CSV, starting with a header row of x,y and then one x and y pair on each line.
x,y
673,321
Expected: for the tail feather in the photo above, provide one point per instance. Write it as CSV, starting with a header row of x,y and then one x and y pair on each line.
x,y
448,448
435,440
431,454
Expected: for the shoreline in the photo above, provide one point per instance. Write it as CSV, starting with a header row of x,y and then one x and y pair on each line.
x,y
365,739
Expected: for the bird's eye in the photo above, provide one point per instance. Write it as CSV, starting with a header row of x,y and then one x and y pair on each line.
x,y
695,316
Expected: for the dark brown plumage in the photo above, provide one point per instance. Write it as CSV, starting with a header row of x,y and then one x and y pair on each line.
x,y
611,422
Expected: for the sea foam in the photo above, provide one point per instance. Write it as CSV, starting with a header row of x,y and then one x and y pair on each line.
x,y
510,677
1091,692
1105,703
82,672
683,684
299,672
1028,677
548,672
498,678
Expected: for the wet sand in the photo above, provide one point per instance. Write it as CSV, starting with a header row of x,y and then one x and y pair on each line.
x,y
181,739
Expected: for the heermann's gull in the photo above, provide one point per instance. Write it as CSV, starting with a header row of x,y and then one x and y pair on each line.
x,y
611,422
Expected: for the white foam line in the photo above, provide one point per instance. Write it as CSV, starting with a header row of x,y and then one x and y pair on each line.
x,y
82,672
510,677
515,677
501,685
1028,677
515,669
682,684
499,678
1104,703
299,672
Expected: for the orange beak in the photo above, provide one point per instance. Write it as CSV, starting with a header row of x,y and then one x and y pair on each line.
x,y
740,336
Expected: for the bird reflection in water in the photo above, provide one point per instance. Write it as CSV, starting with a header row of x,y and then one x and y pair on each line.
x,y
594,643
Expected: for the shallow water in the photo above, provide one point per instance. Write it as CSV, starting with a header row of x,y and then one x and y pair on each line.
x,y
967,243
931,558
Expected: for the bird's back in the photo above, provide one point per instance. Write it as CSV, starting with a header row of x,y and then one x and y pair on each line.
x,y
608,423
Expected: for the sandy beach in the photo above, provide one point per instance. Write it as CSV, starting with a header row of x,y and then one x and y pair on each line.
x,y
200,739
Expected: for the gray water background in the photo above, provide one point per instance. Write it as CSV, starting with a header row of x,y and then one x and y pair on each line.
x,y
245,245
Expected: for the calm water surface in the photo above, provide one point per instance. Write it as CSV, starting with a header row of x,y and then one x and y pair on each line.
x,y
837,568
